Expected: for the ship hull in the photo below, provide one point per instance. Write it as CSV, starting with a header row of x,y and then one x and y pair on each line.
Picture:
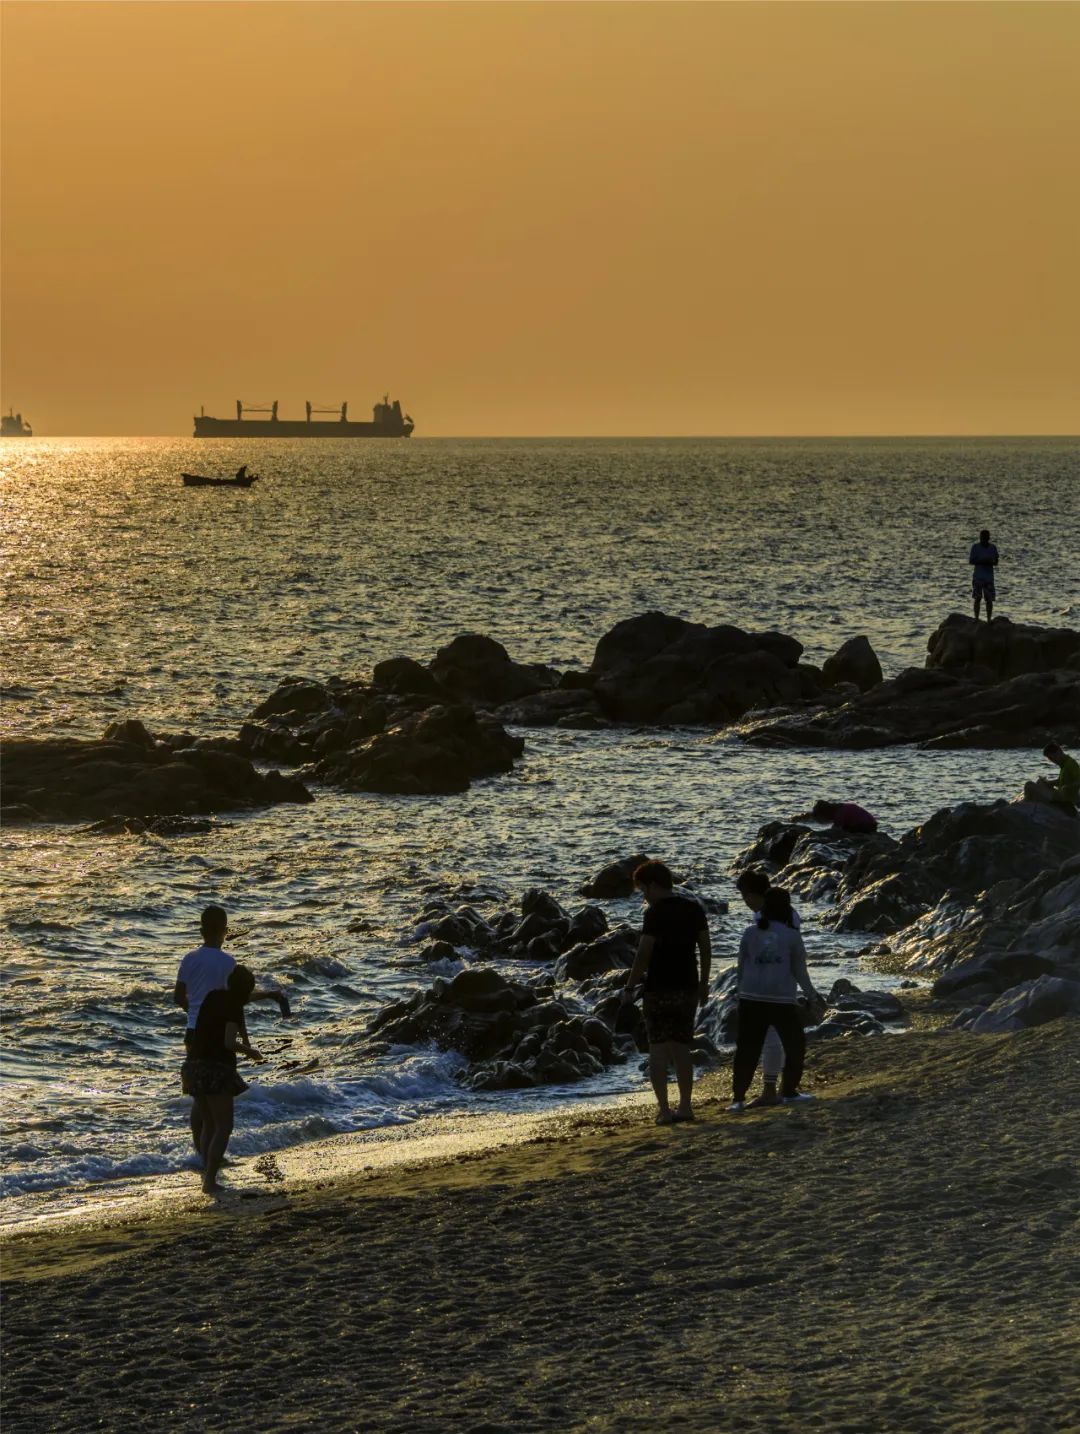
x,y
283,428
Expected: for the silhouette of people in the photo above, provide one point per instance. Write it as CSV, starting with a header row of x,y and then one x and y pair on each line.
x,y
209,1074
752,886
673,959
846,816
984,559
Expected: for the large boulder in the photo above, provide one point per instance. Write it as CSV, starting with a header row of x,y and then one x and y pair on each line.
x,y
439,750
477,668
808,860
614,880
131,774
856,662
660,669
991,652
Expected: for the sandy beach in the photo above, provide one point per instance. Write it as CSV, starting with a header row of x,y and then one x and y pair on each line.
x,y
900,1255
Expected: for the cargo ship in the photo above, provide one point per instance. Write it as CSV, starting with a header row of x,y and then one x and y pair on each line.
x,y
12,426
388,422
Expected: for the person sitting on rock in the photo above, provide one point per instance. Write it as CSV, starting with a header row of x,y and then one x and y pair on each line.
x,y
771,971
752,886
984,559
673,959
1065,792
846,816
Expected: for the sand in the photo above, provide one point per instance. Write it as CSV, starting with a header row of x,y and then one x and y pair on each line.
x,y
900,1255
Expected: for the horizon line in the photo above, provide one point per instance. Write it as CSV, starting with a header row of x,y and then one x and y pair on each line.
x,y
605,437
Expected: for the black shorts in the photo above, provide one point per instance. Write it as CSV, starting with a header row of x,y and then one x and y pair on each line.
x,y
983,587
670,1017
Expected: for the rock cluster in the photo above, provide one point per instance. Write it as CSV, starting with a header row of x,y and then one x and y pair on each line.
x,y
130,773
997,684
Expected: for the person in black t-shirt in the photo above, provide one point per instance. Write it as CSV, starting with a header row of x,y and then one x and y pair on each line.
x,y
209,1074
674,938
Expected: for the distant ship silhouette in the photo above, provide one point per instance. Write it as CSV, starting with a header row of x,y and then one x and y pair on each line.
x,y
388,422
12,426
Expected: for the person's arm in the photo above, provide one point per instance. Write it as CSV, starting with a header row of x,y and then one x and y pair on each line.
x,y
801,974
704,946
179,995
278,996
640,966
236,1040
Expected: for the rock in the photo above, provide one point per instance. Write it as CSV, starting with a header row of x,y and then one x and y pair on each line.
x,y
614,880
960,852
995,651
856,662
655,668
403,675
807,860
771,848
540,903
296,696
586,924
1032,1003
554,707
882,1006
478,668
272,741
71,780
131,731
439,751
614,951
939,710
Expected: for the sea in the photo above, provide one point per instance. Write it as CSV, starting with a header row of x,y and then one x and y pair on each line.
x,y
128,595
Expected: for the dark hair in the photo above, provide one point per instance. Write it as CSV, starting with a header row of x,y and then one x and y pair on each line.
x,y
775,907
754,880
213,921
984,536
654,873
824,810
241,982
1051,748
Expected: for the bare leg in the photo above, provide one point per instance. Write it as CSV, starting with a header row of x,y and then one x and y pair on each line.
x,y
220,1111
659,1060
684,1074
977,599
198,1116
989,608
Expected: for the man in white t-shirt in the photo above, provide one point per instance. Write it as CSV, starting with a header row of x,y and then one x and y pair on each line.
x,y
207,969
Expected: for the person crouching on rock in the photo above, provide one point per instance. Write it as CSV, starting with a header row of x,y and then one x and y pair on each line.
x,y
209,1074
772,968
673,959
845,816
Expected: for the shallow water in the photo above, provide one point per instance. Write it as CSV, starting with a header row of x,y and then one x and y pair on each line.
x,y
131,596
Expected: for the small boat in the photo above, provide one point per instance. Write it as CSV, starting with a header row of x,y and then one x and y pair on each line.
x,y
241,479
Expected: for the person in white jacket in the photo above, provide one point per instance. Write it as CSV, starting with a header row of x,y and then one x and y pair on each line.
x,y
752,886
771,971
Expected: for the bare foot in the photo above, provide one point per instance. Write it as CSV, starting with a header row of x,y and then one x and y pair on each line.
x,y
211,1187
665,1118
684,1115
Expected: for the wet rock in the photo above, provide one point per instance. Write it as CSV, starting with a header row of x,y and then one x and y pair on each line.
x,y
614,951
132,732
994,651
614,880
296,696
807,860
855,661
882,1006
555,707
272,742
1032,1003
586,924
404,675
72,780
438,751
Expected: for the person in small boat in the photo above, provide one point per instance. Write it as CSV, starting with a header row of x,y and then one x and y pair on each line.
x,y
241,472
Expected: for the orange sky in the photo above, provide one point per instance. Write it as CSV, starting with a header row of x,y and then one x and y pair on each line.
x,y
544,218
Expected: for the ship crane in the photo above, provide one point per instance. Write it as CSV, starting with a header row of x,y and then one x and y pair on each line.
x,y
242,408
342,412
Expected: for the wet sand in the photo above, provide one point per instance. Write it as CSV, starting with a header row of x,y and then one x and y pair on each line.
x,y
900,1255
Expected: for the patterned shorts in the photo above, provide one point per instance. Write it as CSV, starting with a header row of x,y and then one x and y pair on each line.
x,y
199,1077
670,1017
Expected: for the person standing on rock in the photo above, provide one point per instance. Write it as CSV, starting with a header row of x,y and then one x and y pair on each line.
x,y
753,885
673,959
984,559
203,970
771,971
